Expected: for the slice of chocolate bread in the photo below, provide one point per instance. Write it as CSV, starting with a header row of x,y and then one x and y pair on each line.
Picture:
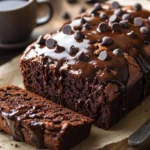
x,y
39,122
97,64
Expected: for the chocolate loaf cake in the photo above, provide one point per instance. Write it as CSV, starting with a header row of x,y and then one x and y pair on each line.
x,y
39,122
97,64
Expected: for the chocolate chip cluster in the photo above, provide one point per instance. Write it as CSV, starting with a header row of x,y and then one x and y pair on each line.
x,y
101,25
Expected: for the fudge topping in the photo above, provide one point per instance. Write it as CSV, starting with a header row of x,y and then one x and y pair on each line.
x,y
98,40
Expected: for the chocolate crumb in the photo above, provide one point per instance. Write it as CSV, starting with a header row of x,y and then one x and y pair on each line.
x,y
65,15
16,145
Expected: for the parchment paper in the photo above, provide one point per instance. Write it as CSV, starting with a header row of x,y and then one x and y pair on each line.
x,y
10,74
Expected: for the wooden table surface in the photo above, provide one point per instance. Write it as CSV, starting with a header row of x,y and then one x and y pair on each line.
x,y
56,22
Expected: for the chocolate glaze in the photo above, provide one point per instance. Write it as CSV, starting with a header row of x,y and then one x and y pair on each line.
x,y
15,127
36,129
92,45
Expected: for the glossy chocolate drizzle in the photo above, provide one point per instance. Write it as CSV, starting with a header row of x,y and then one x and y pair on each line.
x,y
128,38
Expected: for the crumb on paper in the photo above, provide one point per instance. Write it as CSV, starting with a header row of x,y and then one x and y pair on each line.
x,y
16,145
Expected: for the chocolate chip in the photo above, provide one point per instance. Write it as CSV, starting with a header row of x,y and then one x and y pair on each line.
x,y
87,26
94,12
107,41
115,5
138,21
103,16
126,17
131,34
79,35
97,6
113,18
118,52
16,145
82,10
59,49
41,40
144,30
72,50
65,15
71,1
103,27
82,57
103,55
137,7
83,21
116,27
118,12
124,23
67,29
50,43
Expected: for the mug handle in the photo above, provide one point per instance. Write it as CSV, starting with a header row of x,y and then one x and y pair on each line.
x,y
43,20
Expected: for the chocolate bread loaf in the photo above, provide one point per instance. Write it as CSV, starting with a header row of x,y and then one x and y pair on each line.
x,y
39,122
97,64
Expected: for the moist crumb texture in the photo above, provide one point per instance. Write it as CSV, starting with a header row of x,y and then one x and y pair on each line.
x,y
39,122
97,64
